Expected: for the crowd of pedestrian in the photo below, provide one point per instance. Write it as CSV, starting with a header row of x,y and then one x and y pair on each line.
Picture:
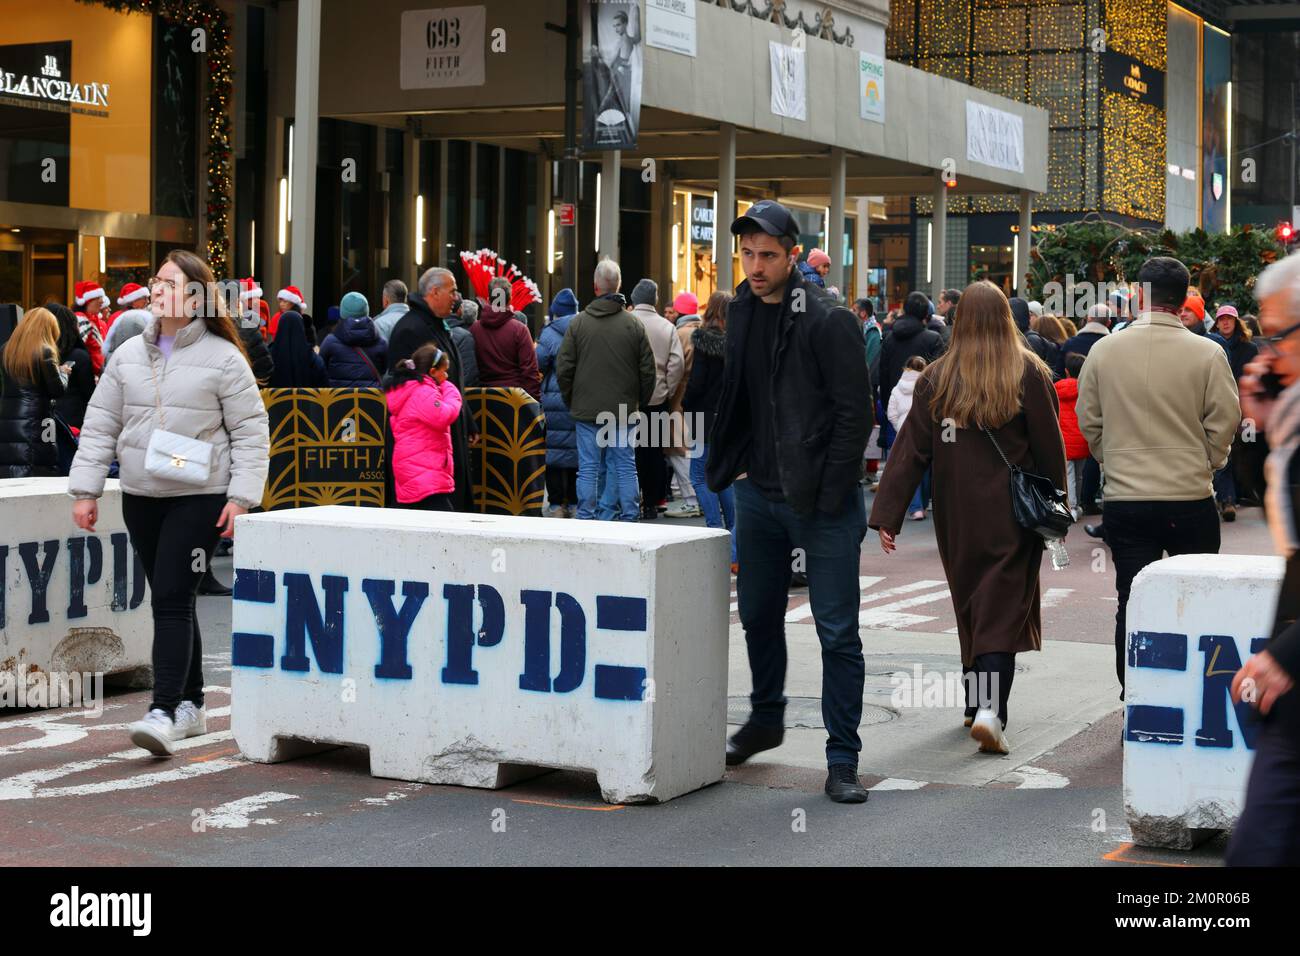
x,y
755,412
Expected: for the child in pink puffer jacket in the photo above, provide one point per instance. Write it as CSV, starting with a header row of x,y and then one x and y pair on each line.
x,y
422,405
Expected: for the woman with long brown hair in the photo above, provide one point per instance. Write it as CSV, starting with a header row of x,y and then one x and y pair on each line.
x,y
989,391
31,378
179,409
1049,327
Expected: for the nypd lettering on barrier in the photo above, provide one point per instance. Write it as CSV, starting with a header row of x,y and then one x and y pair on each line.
x,y
1220,659
473,617
85,559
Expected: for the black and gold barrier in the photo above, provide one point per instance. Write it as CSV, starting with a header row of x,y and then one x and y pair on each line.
x,y
510,465
328,448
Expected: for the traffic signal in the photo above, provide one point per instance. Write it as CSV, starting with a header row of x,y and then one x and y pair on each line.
x,y
1285,233
951,182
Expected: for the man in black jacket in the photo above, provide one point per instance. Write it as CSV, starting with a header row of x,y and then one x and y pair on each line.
x,y
909,336
426,321
793,421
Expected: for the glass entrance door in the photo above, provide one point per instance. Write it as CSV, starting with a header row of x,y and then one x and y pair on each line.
x,y
35,266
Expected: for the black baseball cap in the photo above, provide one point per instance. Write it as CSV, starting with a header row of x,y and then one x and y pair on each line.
x,y
770,216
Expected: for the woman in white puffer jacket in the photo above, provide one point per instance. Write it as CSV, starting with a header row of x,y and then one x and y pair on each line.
x,y
186,374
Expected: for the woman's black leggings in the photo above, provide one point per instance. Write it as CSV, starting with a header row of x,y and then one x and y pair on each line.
x,y
175,538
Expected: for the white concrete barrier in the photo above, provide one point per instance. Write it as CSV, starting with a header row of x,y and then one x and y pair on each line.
x,y
472,649
1192,621
72,603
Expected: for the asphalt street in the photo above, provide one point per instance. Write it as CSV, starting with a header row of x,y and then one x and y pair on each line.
x,y
73,791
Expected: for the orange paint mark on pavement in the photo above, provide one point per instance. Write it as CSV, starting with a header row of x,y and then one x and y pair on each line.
x,y
1117,856
567,806
216,753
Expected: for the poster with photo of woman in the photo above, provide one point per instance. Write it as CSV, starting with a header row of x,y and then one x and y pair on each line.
x,y
612,64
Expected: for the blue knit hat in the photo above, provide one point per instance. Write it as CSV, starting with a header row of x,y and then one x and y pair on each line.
x,y
354,306
564,303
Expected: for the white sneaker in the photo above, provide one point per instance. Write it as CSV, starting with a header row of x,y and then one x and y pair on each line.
x,y
156,733
987,730
680,509
190,721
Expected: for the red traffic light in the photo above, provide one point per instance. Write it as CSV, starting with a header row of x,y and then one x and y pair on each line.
x,y
951,183
1285,232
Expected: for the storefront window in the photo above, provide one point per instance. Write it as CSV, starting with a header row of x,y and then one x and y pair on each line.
x,y
454,203
175,132
993,263
30,137
485,198
694,269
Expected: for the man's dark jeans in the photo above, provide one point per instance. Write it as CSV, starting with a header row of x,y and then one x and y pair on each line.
x,y
1141,532
767,536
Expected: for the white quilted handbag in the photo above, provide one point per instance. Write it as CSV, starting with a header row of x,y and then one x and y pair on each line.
x,y
172,456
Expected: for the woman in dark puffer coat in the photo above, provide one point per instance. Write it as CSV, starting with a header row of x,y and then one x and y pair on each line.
x,y
70,408
561,436
354,353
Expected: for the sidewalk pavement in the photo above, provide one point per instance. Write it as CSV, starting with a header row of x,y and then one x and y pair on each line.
x,y
1058,693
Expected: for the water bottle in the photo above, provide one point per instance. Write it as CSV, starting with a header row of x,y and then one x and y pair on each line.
x,y
1060,557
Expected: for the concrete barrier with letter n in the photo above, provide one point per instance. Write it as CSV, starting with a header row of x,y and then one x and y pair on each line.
x,y
73,604
474,649
1192,621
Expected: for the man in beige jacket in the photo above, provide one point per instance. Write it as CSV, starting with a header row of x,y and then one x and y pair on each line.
x,y
1158,407
651,468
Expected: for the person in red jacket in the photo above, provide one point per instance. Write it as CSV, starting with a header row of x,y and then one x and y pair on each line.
x,y
422,404
1076,446
91,301
506,354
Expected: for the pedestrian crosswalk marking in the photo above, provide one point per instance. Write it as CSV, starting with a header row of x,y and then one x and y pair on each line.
x,y
803,610
887,615
1055,596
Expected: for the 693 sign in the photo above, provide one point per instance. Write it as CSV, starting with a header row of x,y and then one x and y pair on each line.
x,y
444,34
444,47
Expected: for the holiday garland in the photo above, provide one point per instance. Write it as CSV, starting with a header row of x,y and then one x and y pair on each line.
x,y
1224,266
209,17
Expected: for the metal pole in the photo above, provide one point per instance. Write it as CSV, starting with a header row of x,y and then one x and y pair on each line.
x,y
306,116
572,73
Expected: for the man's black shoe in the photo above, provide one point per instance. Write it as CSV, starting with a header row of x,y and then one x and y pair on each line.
x,y
798,580
751,739
1096,531
843,786
211,586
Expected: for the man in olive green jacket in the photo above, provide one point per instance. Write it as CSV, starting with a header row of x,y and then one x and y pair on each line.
x,y
1158,407
606,374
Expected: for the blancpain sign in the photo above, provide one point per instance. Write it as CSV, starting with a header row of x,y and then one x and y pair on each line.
x,y
50,88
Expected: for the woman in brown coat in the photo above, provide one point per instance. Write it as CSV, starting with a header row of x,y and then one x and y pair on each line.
x,y
988,377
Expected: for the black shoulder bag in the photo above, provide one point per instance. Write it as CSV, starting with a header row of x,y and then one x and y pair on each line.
x,y
1037,504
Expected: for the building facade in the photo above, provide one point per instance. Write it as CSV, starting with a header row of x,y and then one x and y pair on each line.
x,y
100,143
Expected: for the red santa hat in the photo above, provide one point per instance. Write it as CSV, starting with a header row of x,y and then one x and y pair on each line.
x,y
88,291
249,289
132,292
290,293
